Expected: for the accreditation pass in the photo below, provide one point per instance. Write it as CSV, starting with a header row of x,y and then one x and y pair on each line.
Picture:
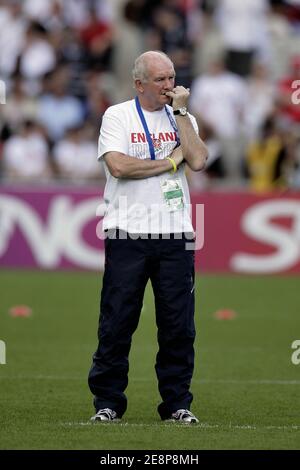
x,y
172,194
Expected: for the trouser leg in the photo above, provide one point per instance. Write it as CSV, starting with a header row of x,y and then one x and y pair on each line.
x,y
173,286
122,294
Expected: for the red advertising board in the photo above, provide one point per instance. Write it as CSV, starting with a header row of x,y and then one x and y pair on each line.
x,y
54,228
247,233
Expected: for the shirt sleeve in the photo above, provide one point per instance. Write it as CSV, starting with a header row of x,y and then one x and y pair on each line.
x,y
112,135
194,123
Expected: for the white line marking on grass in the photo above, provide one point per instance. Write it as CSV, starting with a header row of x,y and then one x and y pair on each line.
x,y
253,427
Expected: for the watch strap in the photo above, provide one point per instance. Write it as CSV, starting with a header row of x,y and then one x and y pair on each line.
x,y
178,112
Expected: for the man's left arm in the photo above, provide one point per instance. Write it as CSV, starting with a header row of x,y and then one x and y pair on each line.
x,y
193,148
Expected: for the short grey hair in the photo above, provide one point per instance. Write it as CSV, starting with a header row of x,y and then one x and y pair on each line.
x,y
140,70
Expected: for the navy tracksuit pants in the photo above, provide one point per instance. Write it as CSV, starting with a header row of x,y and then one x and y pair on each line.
x,y
129,264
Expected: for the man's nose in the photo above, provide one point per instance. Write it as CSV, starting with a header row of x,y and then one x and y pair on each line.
x,y
168,84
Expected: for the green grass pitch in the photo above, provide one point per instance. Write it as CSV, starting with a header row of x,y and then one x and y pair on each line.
x,y
246,388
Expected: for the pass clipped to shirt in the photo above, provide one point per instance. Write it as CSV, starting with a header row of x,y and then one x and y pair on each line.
x,y
173,194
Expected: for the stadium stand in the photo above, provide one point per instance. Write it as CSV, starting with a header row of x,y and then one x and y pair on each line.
x,y
63,62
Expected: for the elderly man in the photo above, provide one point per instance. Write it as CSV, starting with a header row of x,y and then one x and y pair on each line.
x,y
144,144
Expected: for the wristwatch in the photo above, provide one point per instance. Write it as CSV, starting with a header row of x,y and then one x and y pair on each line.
x,y
180,111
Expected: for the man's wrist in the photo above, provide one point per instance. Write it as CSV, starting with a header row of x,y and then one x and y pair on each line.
x,y
173,163
180,111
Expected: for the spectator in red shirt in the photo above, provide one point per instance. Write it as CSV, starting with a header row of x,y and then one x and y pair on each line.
x,y
97,37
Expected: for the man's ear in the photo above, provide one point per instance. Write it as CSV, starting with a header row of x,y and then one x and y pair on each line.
x,y
139,85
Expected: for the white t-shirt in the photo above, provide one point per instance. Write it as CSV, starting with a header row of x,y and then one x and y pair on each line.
x,y
222,100
37,10
138,205
27,155
243,24
77,158
37,59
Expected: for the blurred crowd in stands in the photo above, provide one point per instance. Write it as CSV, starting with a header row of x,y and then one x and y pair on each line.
x,y
63,62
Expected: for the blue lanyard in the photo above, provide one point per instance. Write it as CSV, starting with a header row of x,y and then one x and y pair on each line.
x,y
173,124
148,136
145,126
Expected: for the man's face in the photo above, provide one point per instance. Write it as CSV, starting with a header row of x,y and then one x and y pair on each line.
x,y
160,79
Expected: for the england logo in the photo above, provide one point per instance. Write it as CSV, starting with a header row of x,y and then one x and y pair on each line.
x,y
157,144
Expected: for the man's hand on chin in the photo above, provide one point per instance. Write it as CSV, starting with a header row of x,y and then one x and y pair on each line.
x,y
180,96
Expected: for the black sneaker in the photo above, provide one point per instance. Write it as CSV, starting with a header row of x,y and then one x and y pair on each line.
x,y
184,416
106,414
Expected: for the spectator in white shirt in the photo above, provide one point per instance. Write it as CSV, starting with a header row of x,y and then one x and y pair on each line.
x,y
261,102
19,106
244,31
220,97
57,110
26,156
37,10
38,56
75,156
12,33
